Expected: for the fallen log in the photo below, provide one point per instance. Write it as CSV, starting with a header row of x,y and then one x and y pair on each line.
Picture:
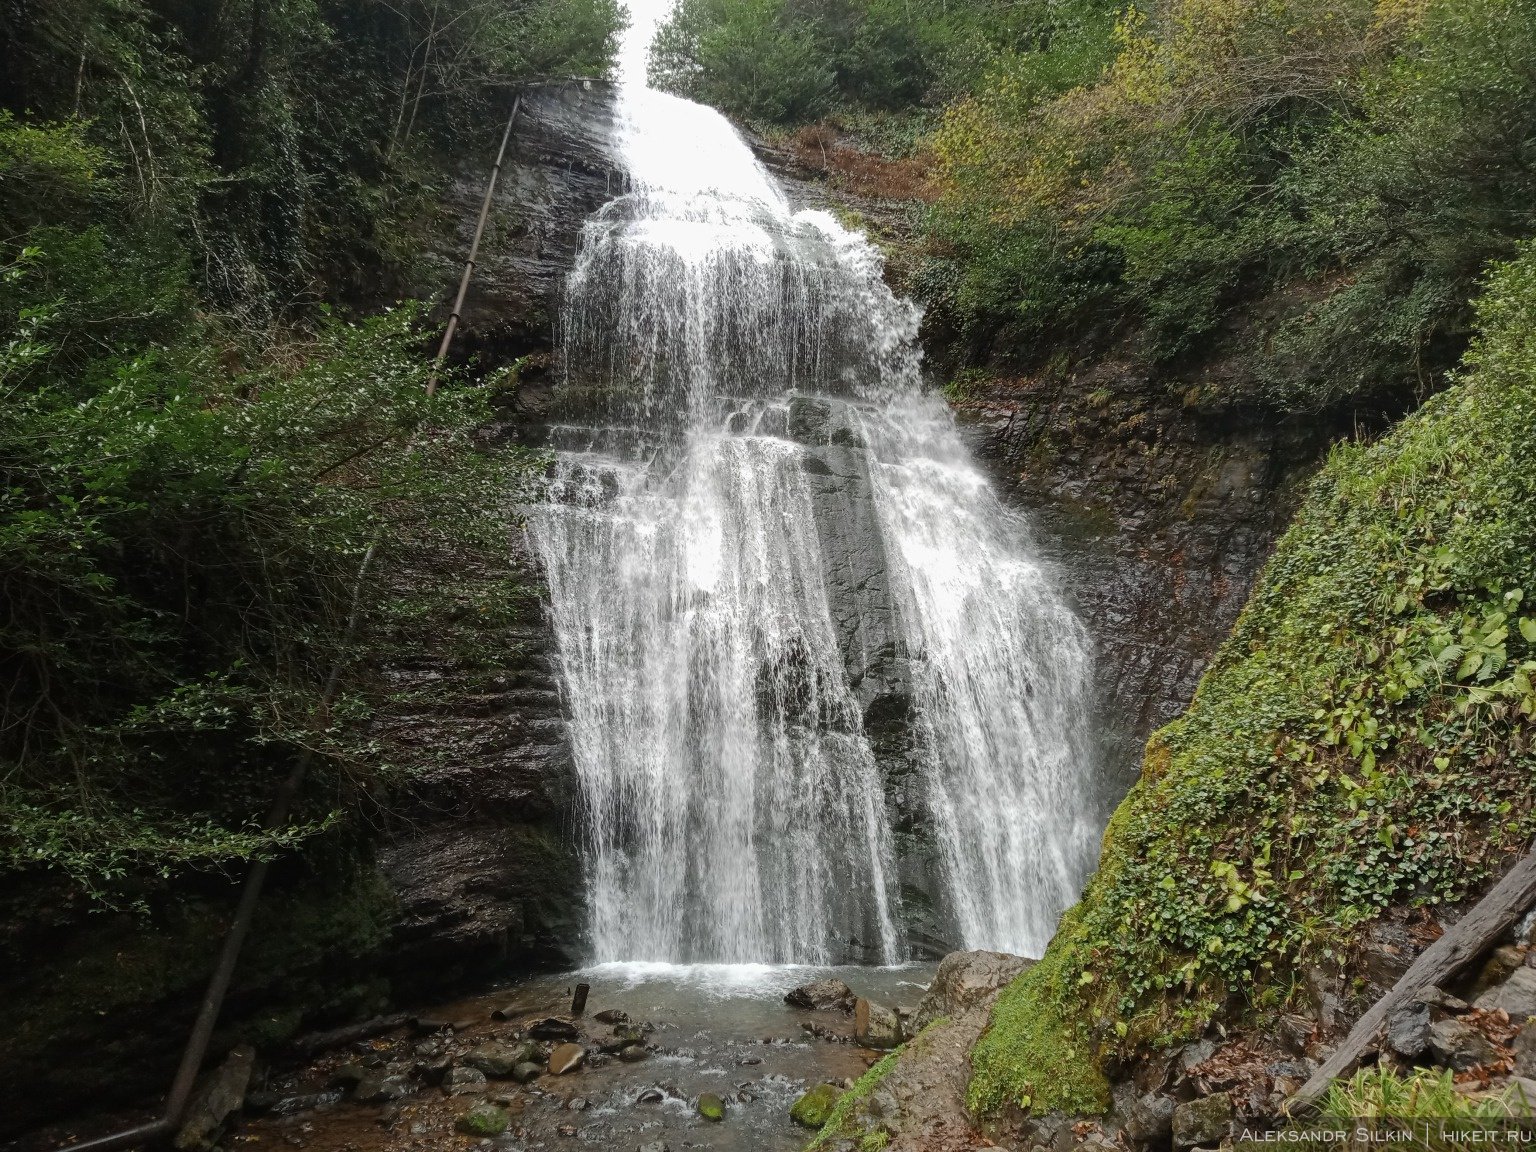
x,y
317,1042
1468,938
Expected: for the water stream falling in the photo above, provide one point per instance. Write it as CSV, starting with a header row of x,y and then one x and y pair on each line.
x,y
766,552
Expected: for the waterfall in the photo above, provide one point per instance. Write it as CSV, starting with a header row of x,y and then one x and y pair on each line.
x,y
763,540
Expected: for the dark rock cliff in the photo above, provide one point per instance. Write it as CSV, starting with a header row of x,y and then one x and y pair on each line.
x,y
1159,514
559,169
483,859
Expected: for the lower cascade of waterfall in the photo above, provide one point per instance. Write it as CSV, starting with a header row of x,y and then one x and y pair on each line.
x,y
809,660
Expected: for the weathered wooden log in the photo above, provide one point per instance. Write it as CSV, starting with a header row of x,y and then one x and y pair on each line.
x,y
1467,939
317,1042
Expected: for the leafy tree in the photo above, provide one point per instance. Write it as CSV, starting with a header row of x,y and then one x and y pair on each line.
x,y
1342,167
197,450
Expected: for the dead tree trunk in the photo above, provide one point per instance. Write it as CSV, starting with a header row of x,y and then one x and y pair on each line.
x,y
1505,903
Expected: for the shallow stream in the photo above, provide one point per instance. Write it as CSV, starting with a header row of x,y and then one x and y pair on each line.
x,y
721,1029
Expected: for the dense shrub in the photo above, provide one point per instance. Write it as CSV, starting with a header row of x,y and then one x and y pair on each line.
x,y
779,62
1342,168
197,451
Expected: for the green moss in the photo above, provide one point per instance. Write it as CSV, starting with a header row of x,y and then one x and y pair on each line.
x,y
814,1107
1035,1053
483,1120
842,1114
1363,741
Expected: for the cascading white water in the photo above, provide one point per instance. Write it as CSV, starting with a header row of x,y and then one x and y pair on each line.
x,y
747,384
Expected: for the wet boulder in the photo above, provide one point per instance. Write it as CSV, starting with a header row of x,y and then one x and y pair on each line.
x,y
219,1096
814,1108
1524,1045
967,980
1516,995
377,1088
1460,1046
624,1036
1205,1121
822,996
528,1072
347,1077
566,1058
876,1026
1151,1119
497,1060
1408,1030
463,1081
553,1028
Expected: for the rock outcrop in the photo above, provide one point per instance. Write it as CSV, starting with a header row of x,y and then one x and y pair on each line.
x,y
1158,512
916,1102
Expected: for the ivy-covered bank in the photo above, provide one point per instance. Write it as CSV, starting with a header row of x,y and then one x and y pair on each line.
x,y
1363,741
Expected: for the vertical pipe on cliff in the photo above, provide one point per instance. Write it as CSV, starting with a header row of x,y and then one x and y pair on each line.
x,y
474,250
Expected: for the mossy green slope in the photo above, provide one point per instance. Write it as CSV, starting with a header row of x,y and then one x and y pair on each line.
x,y
1362,741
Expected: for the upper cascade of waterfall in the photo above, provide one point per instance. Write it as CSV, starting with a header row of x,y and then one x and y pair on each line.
x,y
786,603
701,281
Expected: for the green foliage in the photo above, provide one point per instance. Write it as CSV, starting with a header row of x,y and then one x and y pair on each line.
x,y
778,62
1343,168
747,57
196,452
286,145
1381,1093
1363,741
180,552
1036,1053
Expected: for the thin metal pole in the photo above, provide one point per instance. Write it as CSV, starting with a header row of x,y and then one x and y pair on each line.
x,y
474,251
250,894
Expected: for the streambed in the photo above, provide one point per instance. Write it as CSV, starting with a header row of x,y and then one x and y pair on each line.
x,y
721,1029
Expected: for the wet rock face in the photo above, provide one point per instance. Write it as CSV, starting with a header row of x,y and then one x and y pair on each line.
x,y
967,981
865,616
1159,515
481,860
559,170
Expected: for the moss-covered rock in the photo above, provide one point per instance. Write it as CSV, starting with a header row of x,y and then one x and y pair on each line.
x,y
1362,741
814,1108
711,1107
840,1124
483,1120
